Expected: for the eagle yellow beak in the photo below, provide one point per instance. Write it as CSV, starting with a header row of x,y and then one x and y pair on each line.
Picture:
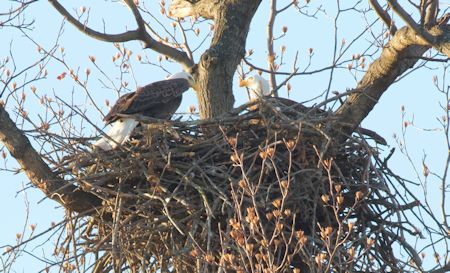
x,y
243,83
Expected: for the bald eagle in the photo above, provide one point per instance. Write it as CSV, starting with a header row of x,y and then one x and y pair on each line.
x,y
157,100
258,86
260,89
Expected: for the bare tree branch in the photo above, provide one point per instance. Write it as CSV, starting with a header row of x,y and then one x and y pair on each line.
x,y
151,43
384,16
139,34
444,269
442,43
400,54
428,11
116,38
410,21
270,39
379,76
39,172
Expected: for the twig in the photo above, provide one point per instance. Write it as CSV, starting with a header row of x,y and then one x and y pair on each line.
x,y
139,34
384,16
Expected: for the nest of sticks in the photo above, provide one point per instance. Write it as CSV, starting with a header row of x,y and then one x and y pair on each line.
x,y
261,190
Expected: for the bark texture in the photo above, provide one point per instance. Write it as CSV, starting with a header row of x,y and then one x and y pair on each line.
x,y
214,73
39,172
400,54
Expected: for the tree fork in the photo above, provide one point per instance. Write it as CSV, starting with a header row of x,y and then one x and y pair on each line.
x,y
217,65
398,56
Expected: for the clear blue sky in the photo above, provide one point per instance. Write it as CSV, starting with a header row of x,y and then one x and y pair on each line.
x,y
415,92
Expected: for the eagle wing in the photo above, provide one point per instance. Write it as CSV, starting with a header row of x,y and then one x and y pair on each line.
x,y
158,100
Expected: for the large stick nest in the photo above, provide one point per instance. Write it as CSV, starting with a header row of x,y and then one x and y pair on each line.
x,y
265,190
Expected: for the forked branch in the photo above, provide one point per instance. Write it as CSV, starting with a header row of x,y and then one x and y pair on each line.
x,y
428,12
139,34
399,55
410,21
384,16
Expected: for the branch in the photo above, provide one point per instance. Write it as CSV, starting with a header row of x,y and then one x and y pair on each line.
x,y
179,56
444,269
428,12
217,65
396,58
442,37
410,21
275,91
384,16
139,34
271,53
39,172
399,55
114,38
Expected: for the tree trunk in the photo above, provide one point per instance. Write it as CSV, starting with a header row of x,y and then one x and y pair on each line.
x,y
217,65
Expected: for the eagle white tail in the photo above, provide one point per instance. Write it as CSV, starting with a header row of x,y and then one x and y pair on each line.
x,y
118,134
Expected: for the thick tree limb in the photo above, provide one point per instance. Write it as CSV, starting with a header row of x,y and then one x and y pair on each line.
x,y
410,21
38,171
442,38
218,64
140,34
428,12
400,54
384,16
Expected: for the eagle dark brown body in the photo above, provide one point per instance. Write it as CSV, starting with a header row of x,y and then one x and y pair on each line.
x,y
158,100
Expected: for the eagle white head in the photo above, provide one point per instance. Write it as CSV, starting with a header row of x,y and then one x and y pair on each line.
x,y
259,87
181,75
186,76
